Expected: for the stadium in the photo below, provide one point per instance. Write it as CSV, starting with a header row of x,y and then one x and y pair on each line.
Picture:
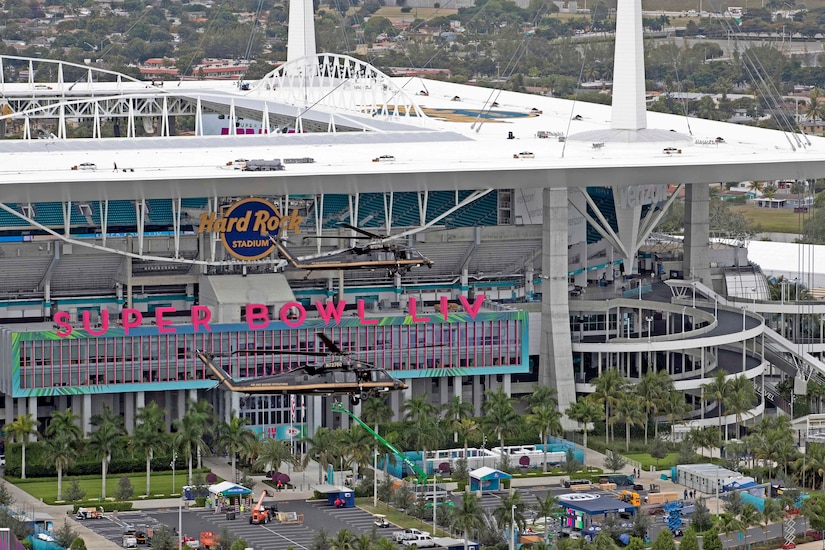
x,y
141,223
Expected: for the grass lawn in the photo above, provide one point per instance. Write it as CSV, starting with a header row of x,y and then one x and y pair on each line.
x,y
398,518
647,461
773,220
161,485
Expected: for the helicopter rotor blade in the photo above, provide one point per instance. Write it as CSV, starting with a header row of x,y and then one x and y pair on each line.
x,y
332,346
280,352
369,234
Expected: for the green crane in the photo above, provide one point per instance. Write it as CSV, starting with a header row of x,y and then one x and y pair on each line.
x,y
338,407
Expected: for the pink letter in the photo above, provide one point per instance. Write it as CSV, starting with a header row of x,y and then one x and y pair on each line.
x,y
127,324
284,314
198,321
473,311
413,313
104,323
255,312
330,310
61,319
164,323
361,315
444,307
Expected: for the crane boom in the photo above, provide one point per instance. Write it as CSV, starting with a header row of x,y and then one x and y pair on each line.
x,y
422,477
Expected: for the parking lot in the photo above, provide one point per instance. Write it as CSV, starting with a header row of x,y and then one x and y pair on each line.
x,y
271,536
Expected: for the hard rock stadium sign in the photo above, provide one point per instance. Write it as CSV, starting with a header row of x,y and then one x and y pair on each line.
x,y
293,314
245,227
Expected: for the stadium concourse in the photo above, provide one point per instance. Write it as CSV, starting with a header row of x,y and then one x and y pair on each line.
x,y
140,223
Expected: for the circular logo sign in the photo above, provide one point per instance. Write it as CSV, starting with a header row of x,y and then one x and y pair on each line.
x,y
291,432
578,497
247,228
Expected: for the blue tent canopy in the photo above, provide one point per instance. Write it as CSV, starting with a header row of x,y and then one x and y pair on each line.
x,y
487,479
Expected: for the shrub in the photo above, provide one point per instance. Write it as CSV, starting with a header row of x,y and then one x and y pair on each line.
x,y
461,485
78,544
200,502
211,478
74,492
124,489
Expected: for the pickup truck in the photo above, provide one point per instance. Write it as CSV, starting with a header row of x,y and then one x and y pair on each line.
x,y
420,541
406,534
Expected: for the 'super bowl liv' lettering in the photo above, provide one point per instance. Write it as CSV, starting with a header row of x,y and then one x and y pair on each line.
x,y
246,227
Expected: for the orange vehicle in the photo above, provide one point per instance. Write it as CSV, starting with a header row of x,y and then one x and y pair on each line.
x,y
208,540
259,513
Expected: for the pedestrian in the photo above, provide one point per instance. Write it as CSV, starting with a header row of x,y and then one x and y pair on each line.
x,y
686,494
115,170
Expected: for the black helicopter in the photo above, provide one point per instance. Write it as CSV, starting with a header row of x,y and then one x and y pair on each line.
x,y
339,375
381,252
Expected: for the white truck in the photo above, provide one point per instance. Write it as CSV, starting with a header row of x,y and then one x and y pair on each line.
x,y
420,541
406,534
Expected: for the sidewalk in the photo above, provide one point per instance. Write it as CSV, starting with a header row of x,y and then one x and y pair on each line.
x,y
25,503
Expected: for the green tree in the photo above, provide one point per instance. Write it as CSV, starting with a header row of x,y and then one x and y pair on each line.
x,y
150,436
240,544
675,407
711,540
614,462
65,534
226,539
124,489
106,438
188,438
19,431
235,438
652,391
545,508
609,387
272,453
59,451
741,399
511,508
456,410
717,391
585,411
547,420
78,544
64,423
814,511
664,541
499,414
701,520
689,541
75,492
343,540
771,513
629,410
468,517
322,447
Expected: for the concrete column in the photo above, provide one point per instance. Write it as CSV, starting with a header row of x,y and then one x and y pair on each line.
x,y
478,395
314,414
395,405
86,414
444,389
9,409
556,366
507,384
408,392
697,232
22,406
129,412
140,400
181,409
464,289
33,406
458,387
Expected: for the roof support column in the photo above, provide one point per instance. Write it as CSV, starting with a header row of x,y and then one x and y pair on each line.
x,y
556,367
697,233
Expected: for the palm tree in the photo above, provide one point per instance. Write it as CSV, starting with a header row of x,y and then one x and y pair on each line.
x,y
628,410
468,428
730,524
203,416
375,410
717,390
235,438
419,408
675,407
741,399
584,411
650,389
455,410
64,423
104,441
188,439
511,509
150,435
499,413
772,512
274,452
543,395
469,516
60,451
344,540
609,388
546,507
20,430
547,420
322,448
356,446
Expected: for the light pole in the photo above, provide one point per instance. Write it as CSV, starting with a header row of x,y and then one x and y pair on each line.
x,y
649,320
435,503
743,318
683,319
513,527
180,522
